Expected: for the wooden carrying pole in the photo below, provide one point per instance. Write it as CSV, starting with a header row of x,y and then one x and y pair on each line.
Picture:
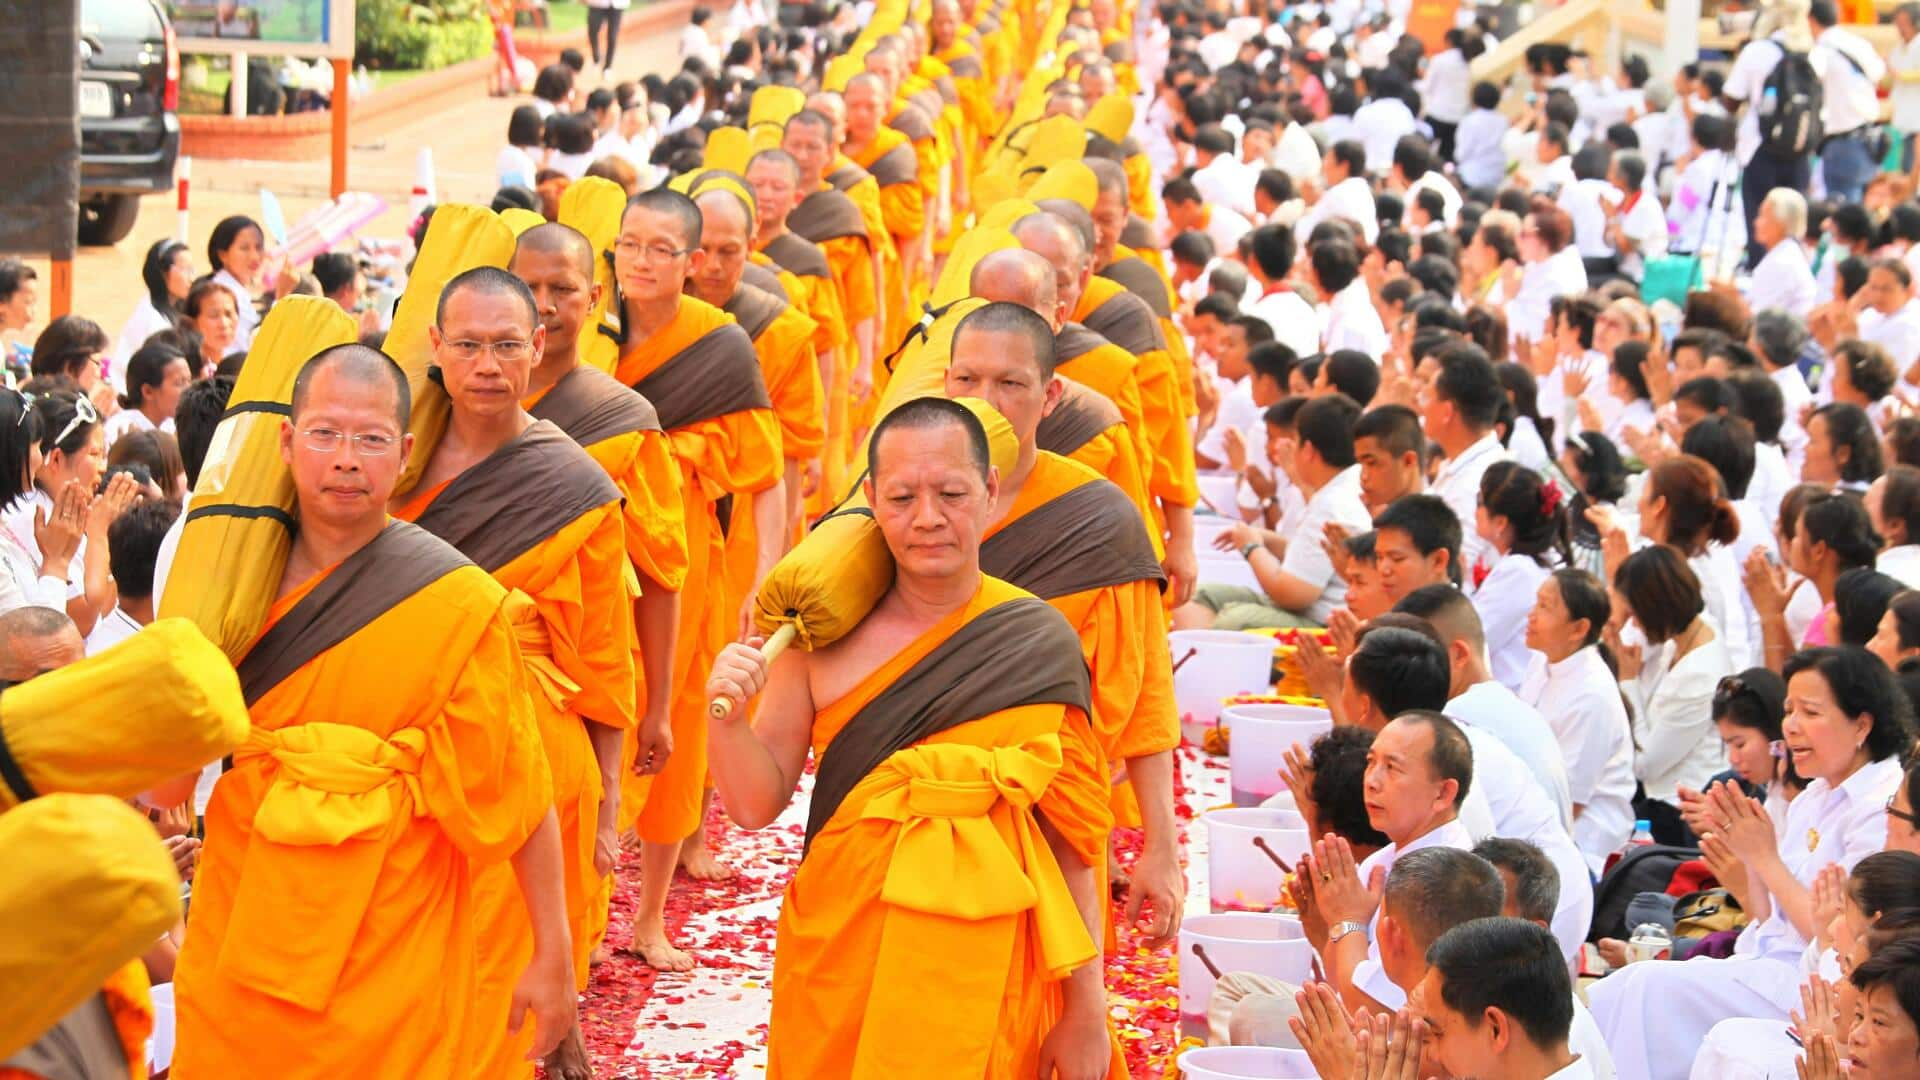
x,y
722,707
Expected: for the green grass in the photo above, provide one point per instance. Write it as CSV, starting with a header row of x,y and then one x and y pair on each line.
x,y
563,16
384,79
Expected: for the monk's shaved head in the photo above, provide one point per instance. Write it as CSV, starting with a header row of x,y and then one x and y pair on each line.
x,y
36,640
664,200
488,281
1052,239
553,238
931,414
359,364
867,82
1074,215
1111,175
727,204
1016,276
1017,322
778,157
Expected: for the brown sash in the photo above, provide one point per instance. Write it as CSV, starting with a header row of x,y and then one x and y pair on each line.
x,y
845,177
801,258
1075,341
896,166
827,215
1137,233
1081,414
949,93
519,495
367,584
966,67
716,375
1088,538
767,280
592,406
1143,281
1128,322
912,121
1130,146
754,309
1018,653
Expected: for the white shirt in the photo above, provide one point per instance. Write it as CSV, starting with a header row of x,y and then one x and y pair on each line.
x,y
169,546
1449,196
1771,480
1218,49
1446,92
1225,228
1795,392
1673,718
1293,321
514,166
1237,412
1224,181
1478,156
1783,279
1369,976
1527,447
1705,212
1559,274
1458,485
1337,501
1898,333
131,420
21,584
1905,57
1503,599
1595,1060
1581,703
1848,99
1296,154
1382,123
117,627
1579,1068
145,322
1825,825
1352,322
1902,564
1351,199
1556,175
1748,78
18,521
1586,202
1496,710
1645,225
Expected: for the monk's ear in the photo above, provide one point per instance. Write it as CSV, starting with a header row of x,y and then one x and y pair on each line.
x,y
993,483
593,295
406,449
696,259
286,441
539,342
1055,390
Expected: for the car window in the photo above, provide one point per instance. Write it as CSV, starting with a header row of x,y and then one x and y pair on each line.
x,y
120,20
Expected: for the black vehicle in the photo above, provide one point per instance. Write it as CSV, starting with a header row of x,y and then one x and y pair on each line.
x,y
129,135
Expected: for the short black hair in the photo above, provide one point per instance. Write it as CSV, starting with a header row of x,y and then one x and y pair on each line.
x,y
1275,361
1400,670
932,412
1435,889
1193,247
1429,523
202,404
1352,153
491,281
1860,598
1486,95
1661,591
1727,444
1896,966
1536,881
1468,381
1005,317
1336,264
1900,499
1758,398
1353,373
20,430
1508,964
133,544
1339,779
1217,304
1849,428
1257,330
1452,755
1326,422
1395,427
1840,521
1862,685
1273,249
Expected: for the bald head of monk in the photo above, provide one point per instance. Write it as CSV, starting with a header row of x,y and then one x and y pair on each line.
x,y
885,63
1018,276
657,250
943,24
809,139
774,176
1060,245
346,439
1109,209
1003,353
866,99
556,263
726,235
932,486
36,640
834,108
486,338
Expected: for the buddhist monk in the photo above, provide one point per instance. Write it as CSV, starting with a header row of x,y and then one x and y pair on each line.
x,y
1167,443
621,432
525,503
394,756
1084,424
1117,261
1077,541
949,45
888,155
775,179
971,903
698,368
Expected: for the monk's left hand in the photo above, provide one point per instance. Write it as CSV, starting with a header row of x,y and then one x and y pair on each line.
x,y
545,990
1156,884
1077,1047
1182,568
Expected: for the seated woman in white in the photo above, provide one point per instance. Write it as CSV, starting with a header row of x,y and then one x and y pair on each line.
x,y
1846,727
1573,686
1524,519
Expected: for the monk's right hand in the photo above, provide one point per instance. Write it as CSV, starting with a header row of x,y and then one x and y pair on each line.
x,y
1077,1048
545,990
739,672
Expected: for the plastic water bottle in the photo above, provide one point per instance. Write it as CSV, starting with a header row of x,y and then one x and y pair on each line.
x,y
1650,941
1642,834
1769,100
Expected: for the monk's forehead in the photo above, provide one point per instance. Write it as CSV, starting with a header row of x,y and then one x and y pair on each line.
x,y
941,442
980,346
350,384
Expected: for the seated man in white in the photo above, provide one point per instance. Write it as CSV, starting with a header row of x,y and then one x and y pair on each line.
x,y
1496,1006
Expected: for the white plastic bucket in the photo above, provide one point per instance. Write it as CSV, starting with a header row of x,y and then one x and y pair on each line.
x,y
1226,568
1262,735
1213,664
1240,875
1245,1063
1271,945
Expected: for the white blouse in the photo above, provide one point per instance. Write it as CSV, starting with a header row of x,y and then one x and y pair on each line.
x,y
1503,599
21,584
1581,702
1673,718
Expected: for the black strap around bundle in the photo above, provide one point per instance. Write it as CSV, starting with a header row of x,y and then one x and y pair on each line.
x,y
12,773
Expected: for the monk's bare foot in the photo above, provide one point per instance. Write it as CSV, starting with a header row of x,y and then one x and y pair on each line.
x,y
600,955
569,1060
650,944
630,841
699,863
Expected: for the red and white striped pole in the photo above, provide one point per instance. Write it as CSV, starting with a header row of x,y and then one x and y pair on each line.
x,y
183,175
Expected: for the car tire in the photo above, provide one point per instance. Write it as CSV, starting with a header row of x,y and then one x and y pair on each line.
x,y
107,219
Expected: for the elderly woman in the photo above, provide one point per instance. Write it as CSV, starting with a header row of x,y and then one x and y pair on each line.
x,y
1552,267
1783,278
1847,723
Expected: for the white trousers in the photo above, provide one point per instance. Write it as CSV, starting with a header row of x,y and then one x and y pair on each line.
x,y
1656,1014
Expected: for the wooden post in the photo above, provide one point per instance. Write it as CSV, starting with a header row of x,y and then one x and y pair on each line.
x,y
339,104
60,300
237,87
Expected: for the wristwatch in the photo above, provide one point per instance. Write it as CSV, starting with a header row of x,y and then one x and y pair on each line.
x,y
1247,549
1342,929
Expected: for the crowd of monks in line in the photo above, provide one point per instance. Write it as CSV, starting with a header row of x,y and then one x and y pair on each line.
x,y
493,660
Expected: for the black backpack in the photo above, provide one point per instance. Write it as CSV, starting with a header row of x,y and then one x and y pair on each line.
x,y
1648,868
1789,106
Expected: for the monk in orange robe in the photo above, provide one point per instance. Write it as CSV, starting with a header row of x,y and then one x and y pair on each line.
x,y
944,840
621,432
698,368
394,756
1068,536
1115,259
847,176
526,504
890,157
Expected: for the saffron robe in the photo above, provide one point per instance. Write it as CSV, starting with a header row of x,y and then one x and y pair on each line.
x,y
783,340
336,876
1088,428
1124,319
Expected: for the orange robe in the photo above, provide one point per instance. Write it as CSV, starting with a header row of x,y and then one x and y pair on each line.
x,y
1101,441
1125,319
849,252
857,184
576,638
1147,279
333,930
896,895
1114,373
734,452
783,340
